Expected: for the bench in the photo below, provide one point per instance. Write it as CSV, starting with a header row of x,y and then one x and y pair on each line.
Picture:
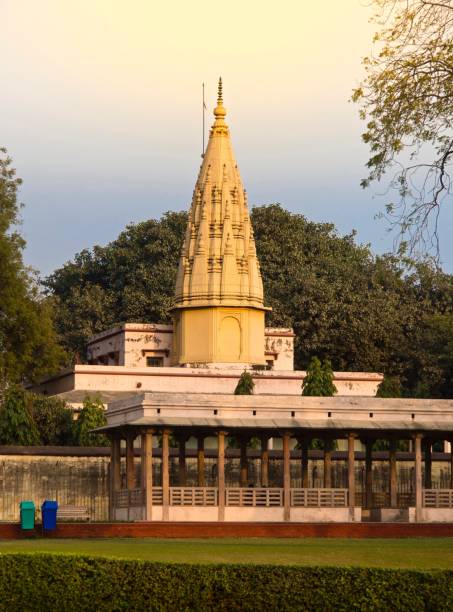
x,y
72,513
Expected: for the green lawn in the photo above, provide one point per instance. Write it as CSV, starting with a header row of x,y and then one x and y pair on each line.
x,y
416,553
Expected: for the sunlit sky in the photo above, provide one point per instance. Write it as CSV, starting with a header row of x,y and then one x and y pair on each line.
x,y
100,109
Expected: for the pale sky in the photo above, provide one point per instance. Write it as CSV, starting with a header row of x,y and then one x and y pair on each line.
x,y
101,111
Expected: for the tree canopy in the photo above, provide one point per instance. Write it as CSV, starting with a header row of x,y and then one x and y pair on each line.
x,y
16,422
29,346
29,419
363,312
53,419
406,99
129,280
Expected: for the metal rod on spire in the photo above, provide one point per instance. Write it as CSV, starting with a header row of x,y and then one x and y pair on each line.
x,y
204,108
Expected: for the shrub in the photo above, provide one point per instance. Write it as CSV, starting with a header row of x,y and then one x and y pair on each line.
x,y
91,416
319,379
245,384
46,582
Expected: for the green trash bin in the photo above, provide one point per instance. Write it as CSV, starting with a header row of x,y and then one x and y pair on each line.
x,y
27,515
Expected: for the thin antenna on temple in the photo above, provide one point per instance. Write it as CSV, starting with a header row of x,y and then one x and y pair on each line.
x,y
203,127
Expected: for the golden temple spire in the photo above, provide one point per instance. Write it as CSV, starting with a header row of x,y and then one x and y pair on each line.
x,y
218,269
220,225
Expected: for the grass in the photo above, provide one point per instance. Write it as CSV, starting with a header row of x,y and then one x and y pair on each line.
x,y
412,553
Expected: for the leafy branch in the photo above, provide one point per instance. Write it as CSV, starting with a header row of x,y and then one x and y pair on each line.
x,y
406,100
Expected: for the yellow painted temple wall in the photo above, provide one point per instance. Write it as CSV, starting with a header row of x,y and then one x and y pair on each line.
x,y
220,336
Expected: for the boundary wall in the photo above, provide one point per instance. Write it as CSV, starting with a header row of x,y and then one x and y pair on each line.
x,y
235,530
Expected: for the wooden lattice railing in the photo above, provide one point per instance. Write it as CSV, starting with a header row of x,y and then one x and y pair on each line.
x,y
158,496
240,496
319,498
259,497
438,498
193,496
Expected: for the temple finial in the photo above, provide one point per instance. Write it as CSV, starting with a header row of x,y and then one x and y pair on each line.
x,y
220,110
220,92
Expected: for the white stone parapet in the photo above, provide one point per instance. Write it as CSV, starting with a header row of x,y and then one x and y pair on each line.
x,y
115,382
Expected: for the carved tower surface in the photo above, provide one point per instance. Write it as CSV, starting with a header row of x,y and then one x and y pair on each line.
x,y
219,311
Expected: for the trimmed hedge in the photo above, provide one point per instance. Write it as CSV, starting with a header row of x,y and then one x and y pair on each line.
x,y
57,582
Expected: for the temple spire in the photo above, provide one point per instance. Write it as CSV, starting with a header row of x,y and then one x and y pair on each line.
x,y
221,232
219,311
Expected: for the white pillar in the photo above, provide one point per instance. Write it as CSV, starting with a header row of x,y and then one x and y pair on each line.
x,y
130,469
286,478
264,461
418,477
147,472
200,460
115,471
221,474
351,474
393,484
165,475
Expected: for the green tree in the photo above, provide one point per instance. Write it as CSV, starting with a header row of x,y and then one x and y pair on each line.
x,y
319,379
28,343
407,101
52,419
245,384
344,303
431,370
16,422
129,280
91,416
364,312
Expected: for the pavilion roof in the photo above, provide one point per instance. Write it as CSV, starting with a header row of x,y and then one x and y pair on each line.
x,y
279,412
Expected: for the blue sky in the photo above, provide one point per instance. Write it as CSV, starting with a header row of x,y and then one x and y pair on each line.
x,y
102,112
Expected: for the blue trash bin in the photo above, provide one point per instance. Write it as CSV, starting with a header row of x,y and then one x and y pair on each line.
x,y
49,514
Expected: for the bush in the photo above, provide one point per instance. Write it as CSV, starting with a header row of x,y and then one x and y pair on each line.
x,y
46,582
245,384
319,379
91,416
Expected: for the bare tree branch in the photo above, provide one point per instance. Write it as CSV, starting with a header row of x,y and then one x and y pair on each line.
x,y
406,100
